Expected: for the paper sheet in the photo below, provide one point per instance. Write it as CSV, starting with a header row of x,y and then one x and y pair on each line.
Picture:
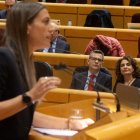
x,y
56,132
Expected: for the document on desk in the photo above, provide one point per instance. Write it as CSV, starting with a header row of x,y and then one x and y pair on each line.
x,y
56,132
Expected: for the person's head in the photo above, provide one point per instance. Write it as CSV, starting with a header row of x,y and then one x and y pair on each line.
x,y
55,30
126,66
9,3
95,60
27,29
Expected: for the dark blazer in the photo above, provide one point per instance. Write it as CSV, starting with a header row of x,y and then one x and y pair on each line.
x,y
3,14
79,81
136,83
12,84
61,47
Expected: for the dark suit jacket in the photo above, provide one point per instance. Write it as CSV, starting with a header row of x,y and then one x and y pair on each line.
x,y
3,14
61,47
136,83
79,81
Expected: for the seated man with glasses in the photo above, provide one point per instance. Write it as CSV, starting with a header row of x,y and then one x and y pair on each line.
x,y
94,78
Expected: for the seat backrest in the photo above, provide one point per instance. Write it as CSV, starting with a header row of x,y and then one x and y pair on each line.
x,y
43,69
107,2
99,18
134,3
135,18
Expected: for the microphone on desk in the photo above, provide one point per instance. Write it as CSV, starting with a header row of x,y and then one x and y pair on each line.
x,y
96,105
118,106
67,69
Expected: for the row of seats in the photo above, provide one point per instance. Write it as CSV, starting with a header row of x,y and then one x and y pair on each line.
x,y
78,37
73,61
103,2
77,13
120,15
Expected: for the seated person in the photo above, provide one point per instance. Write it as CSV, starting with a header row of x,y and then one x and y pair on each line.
x,y
108,45
127,72
8,4
58,42
94,78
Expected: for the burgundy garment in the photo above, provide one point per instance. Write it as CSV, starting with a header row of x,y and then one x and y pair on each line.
x,y
109,45
91,82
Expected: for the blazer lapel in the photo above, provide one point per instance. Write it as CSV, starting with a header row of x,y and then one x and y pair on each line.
x,y
83,79
99,80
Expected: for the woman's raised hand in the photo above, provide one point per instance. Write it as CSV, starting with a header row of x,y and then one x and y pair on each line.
x,y
43,85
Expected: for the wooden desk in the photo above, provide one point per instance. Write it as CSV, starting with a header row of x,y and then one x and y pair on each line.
x,y
37,136
124,129
60,95
109,126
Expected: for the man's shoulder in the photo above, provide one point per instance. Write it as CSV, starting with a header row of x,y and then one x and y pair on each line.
x,y
61,41
79,74
103,74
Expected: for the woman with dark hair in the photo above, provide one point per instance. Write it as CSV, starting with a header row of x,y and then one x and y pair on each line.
x,y
127,72
27,29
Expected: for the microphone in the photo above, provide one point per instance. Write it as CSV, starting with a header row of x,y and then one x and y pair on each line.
x,y
67,69
118,106
98,103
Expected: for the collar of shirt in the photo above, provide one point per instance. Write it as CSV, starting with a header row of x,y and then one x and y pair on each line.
x,y
89,73
88,77
45,49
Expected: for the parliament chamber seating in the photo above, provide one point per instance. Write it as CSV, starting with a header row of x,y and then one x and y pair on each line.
x,y
78,37
127,128
121,15
72,61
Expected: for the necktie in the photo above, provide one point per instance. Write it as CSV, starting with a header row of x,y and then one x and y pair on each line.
x,y
91,82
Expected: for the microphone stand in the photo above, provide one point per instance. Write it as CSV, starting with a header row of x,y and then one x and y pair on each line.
x,y
98,105
118,106
97,110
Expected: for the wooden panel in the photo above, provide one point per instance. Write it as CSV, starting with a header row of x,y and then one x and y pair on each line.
x,y
126,2
78,12
118,21
88,32
124,129
130,47
64,18
2,5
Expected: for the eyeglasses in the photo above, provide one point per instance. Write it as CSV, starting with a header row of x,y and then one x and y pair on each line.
x,y
95,59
